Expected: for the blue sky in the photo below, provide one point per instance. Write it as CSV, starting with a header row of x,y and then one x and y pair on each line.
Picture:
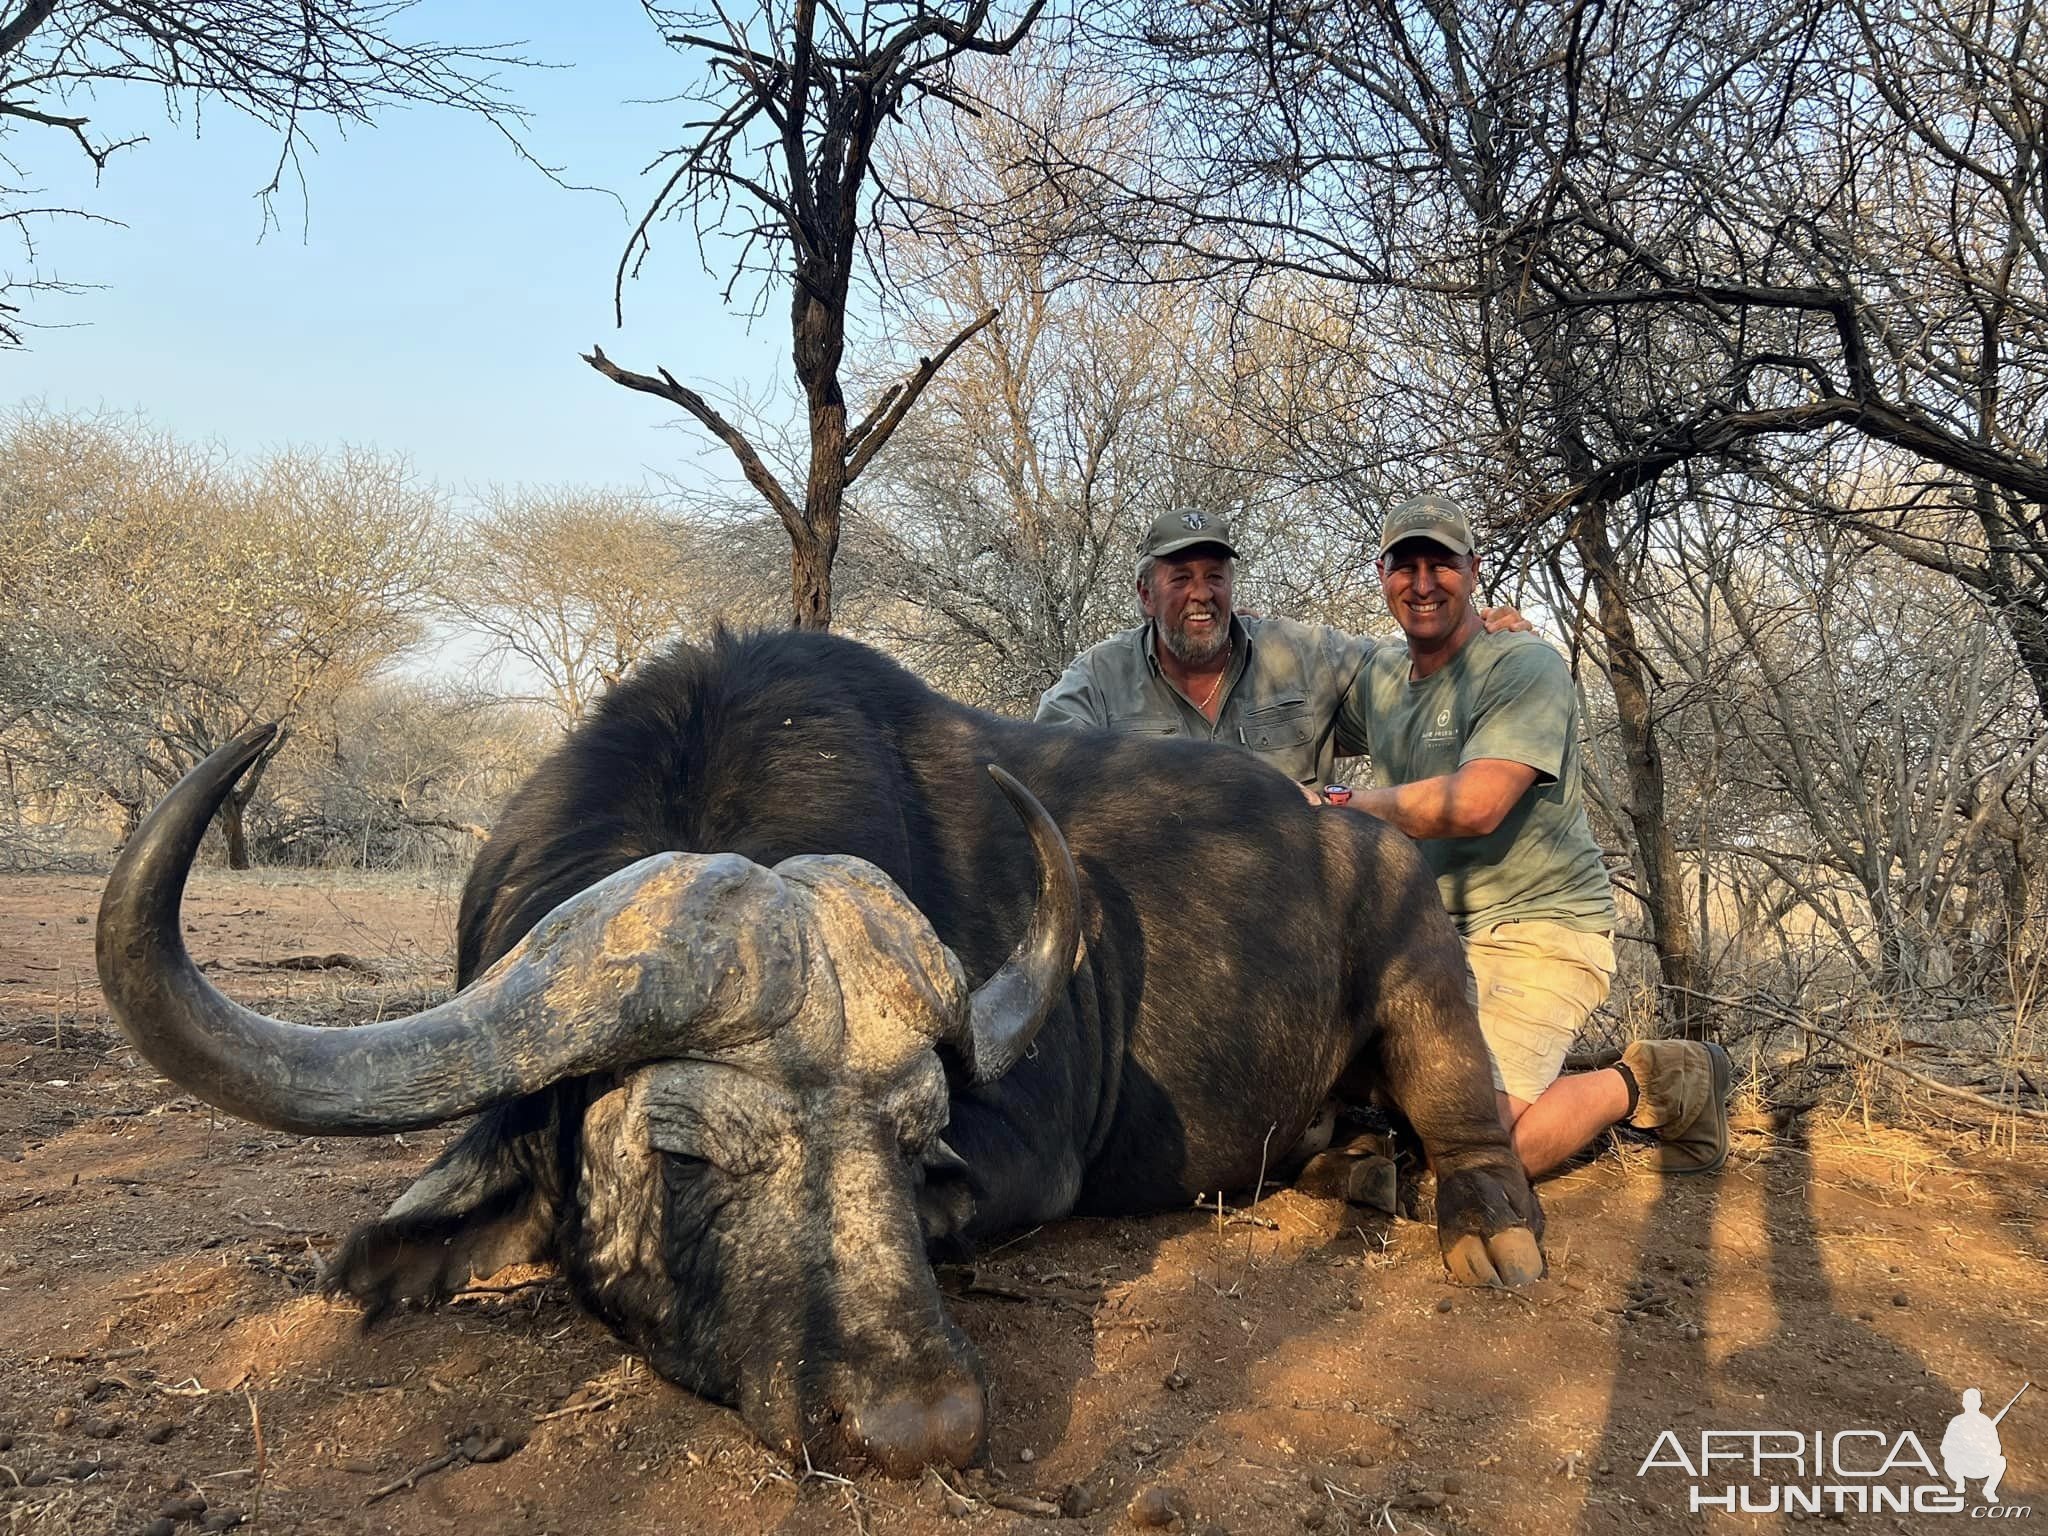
x,y
429,298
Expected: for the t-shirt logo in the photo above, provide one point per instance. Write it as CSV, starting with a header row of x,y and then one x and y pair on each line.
x,y
1441,729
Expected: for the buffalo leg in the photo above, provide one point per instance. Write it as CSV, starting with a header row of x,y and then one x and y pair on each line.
x,y
488,1201
1433,1064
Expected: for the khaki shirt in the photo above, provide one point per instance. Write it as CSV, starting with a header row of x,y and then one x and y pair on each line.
x,y
1282,698
1507,696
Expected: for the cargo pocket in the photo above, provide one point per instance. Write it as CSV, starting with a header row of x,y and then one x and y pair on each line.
x,y
1283,733
1275,727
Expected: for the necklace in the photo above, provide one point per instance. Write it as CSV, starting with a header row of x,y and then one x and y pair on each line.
x,y
1215,687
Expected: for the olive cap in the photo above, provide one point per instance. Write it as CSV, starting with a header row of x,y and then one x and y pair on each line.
x,y
1428,516
1184,528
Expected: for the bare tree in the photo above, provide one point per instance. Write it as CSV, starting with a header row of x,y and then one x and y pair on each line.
x,y
796,101
161,600
572,589
1880,270
996,536
1872,762
397,773
288,67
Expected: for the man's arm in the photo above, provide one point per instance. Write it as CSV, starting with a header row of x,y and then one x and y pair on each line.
x,y
1520,734
1469,803
1074,699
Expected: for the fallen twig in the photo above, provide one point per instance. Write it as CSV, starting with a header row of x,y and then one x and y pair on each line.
x,y
974,1285
1022,1504
595,1405
411,1479
333,962
1259,1189
1011,1242
262,1457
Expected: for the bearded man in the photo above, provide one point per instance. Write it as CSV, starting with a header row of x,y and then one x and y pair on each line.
x,y
1196,668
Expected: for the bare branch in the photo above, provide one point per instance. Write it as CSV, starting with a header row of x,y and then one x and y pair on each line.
x,y
864,445
751,465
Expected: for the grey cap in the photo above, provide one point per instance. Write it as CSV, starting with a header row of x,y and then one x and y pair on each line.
x,y
1428,516
1184,528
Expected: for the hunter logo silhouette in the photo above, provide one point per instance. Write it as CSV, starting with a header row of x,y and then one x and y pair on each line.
x,y
1970,1448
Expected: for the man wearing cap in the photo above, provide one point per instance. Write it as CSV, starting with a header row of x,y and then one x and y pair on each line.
x,y
1198,669
1195,668
1475,754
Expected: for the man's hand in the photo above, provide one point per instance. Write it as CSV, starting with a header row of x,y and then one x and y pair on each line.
x,y
1498,619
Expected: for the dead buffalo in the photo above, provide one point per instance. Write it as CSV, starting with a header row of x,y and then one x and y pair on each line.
x,y
766,991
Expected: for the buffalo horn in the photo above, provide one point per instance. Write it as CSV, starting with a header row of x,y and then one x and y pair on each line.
x,y
542,1014
1010,1006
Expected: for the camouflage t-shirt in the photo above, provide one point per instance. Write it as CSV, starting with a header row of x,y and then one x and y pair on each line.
x,y
1504,696
1279,702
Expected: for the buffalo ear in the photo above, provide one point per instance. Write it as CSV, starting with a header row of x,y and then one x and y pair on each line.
x,y
945,1200
487,1202
941,1161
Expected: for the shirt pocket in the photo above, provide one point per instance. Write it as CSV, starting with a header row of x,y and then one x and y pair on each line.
x,y
1285,725
1283,732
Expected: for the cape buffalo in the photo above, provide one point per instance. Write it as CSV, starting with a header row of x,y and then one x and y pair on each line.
x,y
765,993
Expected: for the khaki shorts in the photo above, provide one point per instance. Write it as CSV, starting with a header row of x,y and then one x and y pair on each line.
x,y
1533,984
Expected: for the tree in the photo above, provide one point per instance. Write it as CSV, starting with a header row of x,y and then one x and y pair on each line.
x,y
161,600
575,588
398,772
1437,163
288,67
997,535
1855,742
797,99
1880,271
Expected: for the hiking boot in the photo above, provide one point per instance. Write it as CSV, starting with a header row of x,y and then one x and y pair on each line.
x,y
1684,1098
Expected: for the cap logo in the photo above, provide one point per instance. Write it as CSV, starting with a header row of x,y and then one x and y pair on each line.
x,y
1193,521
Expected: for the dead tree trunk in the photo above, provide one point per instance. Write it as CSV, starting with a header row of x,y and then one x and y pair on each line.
x,y
828,87
1671,929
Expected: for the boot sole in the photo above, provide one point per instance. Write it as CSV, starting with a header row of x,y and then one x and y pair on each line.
x,y
1724,1078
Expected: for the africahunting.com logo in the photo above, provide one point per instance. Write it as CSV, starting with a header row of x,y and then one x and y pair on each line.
x,y
1862,1471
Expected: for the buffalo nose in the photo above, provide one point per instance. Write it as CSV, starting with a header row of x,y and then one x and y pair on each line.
x,y
902,1433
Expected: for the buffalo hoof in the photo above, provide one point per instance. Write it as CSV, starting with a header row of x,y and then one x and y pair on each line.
x,y
1489,1225
1512,1257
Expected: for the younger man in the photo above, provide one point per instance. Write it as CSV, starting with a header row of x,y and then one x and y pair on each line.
x,y
1475,754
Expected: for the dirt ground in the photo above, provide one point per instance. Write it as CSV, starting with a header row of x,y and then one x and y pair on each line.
x,y
161,1339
